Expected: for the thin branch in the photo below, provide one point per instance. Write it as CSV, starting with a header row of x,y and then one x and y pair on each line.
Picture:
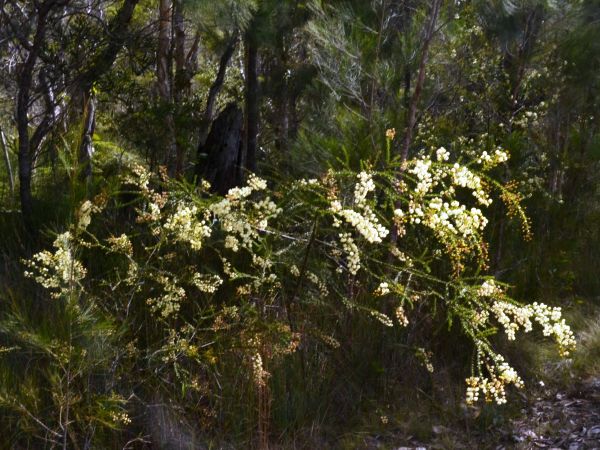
x,y
414,103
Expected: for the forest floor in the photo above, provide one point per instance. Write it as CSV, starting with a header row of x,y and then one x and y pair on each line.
x,y
552,418
561,419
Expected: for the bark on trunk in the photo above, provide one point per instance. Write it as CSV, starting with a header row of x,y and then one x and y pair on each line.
x,y
223,148
25,81
86,149
207,116
248,161
164,85
11,180
181,82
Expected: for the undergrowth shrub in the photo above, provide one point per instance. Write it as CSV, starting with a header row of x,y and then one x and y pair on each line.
x,y
235,307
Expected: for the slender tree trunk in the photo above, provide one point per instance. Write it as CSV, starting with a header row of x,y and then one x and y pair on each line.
x,y
86,149
11,180
25,81
252,97
414,102
181,82
283,112
164,85
191,59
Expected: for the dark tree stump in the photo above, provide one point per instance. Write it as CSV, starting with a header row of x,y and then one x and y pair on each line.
x,y
222,148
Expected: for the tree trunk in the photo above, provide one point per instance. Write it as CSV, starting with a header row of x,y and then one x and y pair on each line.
x,y
283,115
82,95
248,160
86,149
11,180
215,88
223,148
164,85
414,102
25,81
104,59
181,82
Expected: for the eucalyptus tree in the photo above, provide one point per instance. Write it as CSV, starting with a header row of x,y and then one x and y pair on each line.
x,y
50,81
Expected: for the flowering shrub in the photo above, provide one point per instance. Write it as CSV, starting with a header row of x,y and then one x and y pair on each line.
x,y
242,276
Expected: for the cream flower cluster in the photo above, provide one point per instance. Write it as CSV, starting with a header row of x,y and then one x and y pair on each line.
x,y
242,219
489,288
463,177
207,283
185,226
320,284
256,184
425,357
141,177
178,344
493,388
442,154
449,218
361,217
481,317
362,189
425,181
120,417
58,271
365,222
488,160
553,324
432,201
306,182
514,317
170,300
401,316
84,214
382,289
352,253
120,244
382,318
259,374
